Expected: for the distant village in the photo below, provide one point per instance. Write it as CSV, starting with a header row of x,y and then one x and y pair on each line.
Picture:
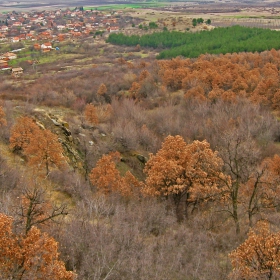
x,y
47,27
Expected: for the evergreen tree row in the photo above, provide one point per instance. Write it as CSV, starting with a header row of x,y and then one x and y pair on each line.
x,y
219,40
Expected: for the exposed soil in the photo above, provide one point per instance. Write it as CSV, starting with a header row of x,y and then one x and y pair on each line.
x,y
265,14
207,6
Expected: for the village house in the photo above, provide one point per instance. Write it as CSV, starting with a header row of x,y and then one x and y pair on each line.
x,y
45,35
17,72
61,37
17,23
113,29
61,27
8,56
3,63
23,30
15,40
46,47
76,34
4,28
2,37
70,26
37,47
29,36
22,36
88,26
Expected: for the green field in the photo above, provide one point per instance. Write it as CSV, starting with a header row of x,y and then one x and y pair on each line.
x,y
126,6
252,17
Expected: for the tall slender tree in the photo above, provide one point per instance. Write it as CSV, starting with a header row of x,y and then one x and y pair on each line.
x,y
90,114
3,121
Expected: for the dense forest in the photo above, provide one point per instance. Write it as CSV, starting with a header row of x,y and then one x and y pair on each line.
x,y
144,168
217,41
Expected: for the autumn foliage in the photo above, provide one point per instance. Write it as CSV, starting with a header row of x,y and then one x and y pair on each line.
x,y
40,146
134,89
44,151
31,256
3,121
186,172
102,89
228,77
107,178
21,133
121,226
258,257
91,114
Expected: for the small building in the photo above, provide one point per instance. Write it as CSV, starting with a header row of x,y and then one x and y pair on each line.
x,y
46,46
2,37
37,47
76,34
4,28
17,23
61,37
30,36
61,27
3,63
113,29
45,35
15,39
8,56
17,72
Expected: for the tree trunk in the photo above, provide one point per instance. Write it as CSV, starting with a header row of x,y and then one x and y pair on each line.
x,y
235,216
250,218
270,273
179,207
251,207
235,207
47,168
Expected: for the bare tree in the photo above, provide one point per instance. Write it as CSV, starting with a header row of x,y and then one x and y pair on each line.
x,y
35,209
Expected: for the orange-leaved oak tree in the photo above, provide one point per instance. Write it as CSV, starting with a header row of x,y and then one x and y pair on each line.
x,y
29,256
44,150
23,130
258,257
91,114
129,185
102,89
134,89
107,178
188,173
3,121
143,75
